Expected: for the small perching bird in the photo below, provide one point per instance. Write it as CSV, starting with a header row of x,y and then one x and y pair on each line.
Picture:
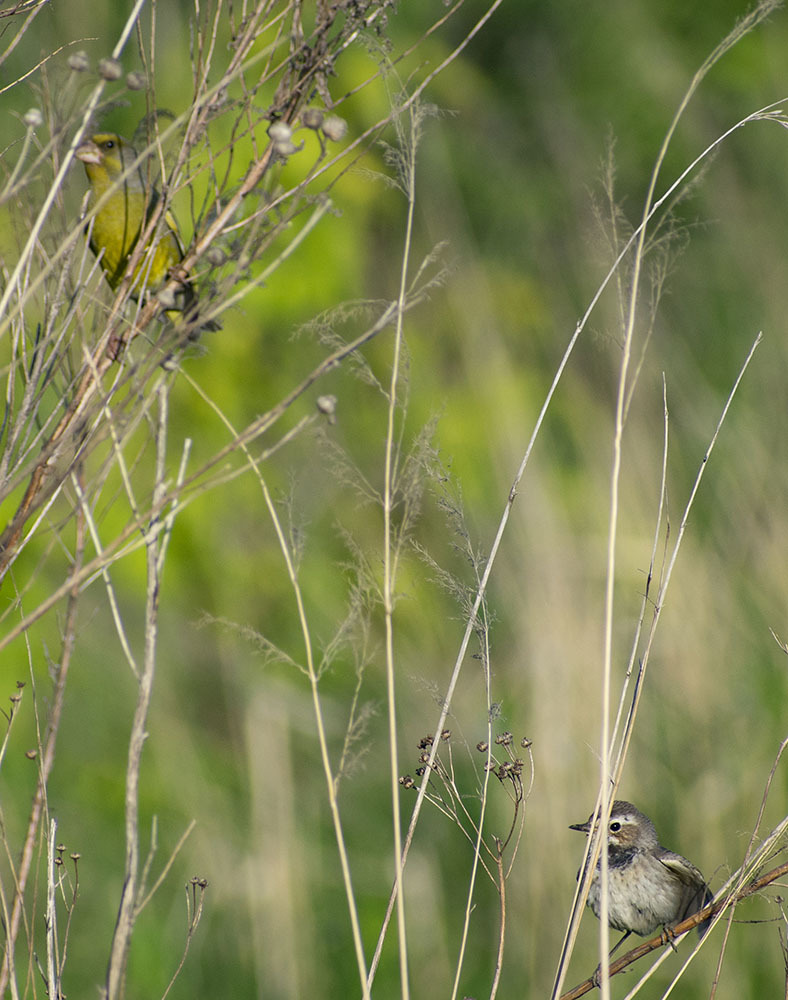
x,y
649,887
126,202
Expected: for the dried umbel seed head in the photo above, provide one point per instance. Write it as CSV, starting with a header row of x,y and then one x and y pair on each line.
x,y
425,741
335,128
215,256
78,61
136,81
110,69
327,405
280,132
483,746
281,135
406,781
33,118
312,118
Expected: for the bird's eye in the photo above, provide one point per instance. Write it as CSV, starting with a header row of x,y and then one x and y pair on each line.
x,y
615,826
109,144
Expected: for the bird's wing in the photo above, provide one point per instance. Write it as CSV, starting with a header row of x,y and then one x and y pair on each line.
x,y
682,869
169,219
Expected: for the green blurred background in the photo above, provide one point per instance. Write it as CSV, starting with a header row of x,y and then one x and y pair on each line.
x,y
508,175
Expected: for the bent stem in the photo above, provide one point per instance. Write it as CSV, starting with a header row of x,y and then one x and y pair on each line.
x,y
156,535
477,860
407,164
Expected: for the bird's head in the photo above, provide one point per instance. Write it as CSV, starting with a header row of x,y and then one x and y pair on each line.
x,y
627,828
106,157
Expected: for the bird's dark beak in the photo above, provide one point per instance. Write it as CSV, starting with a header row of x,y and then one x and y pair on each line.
x,y
581,827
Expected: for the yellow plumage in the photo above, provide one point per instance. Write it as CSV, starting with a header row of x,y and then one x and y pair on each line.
x,y
120,219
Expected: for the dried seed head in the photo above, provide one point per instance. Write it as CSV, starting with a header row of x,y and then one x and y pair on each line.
x,y
285,148
33,118
312,118
327,405
215,256
280,132
110,69
335,128
78,61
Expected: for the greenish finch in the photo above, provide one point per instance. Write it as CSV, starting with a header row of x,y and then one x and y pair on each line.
x,y
116,227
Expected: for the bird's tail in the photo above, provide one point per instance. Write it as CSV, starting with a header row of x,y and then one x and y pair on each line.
x,y
705,897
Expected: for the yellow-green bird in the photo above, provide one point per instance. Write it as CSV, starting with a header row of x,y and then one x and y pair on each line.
x,y
119,221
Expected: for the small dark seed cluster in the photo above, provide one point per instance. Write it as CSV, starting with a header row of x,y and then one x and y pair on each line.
x,y
424,746
61,850
511,768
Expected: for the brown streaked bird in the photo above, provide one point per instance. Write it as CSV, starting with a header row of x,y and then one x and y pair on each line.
x,y
649,887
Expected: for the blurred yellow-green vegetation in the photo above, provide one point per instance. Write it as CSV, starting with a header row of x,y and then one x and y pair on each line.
x,y
521,136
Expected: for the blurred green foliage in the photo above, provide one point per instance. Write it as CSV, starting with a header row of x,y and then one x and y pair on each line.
x,y
508,174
